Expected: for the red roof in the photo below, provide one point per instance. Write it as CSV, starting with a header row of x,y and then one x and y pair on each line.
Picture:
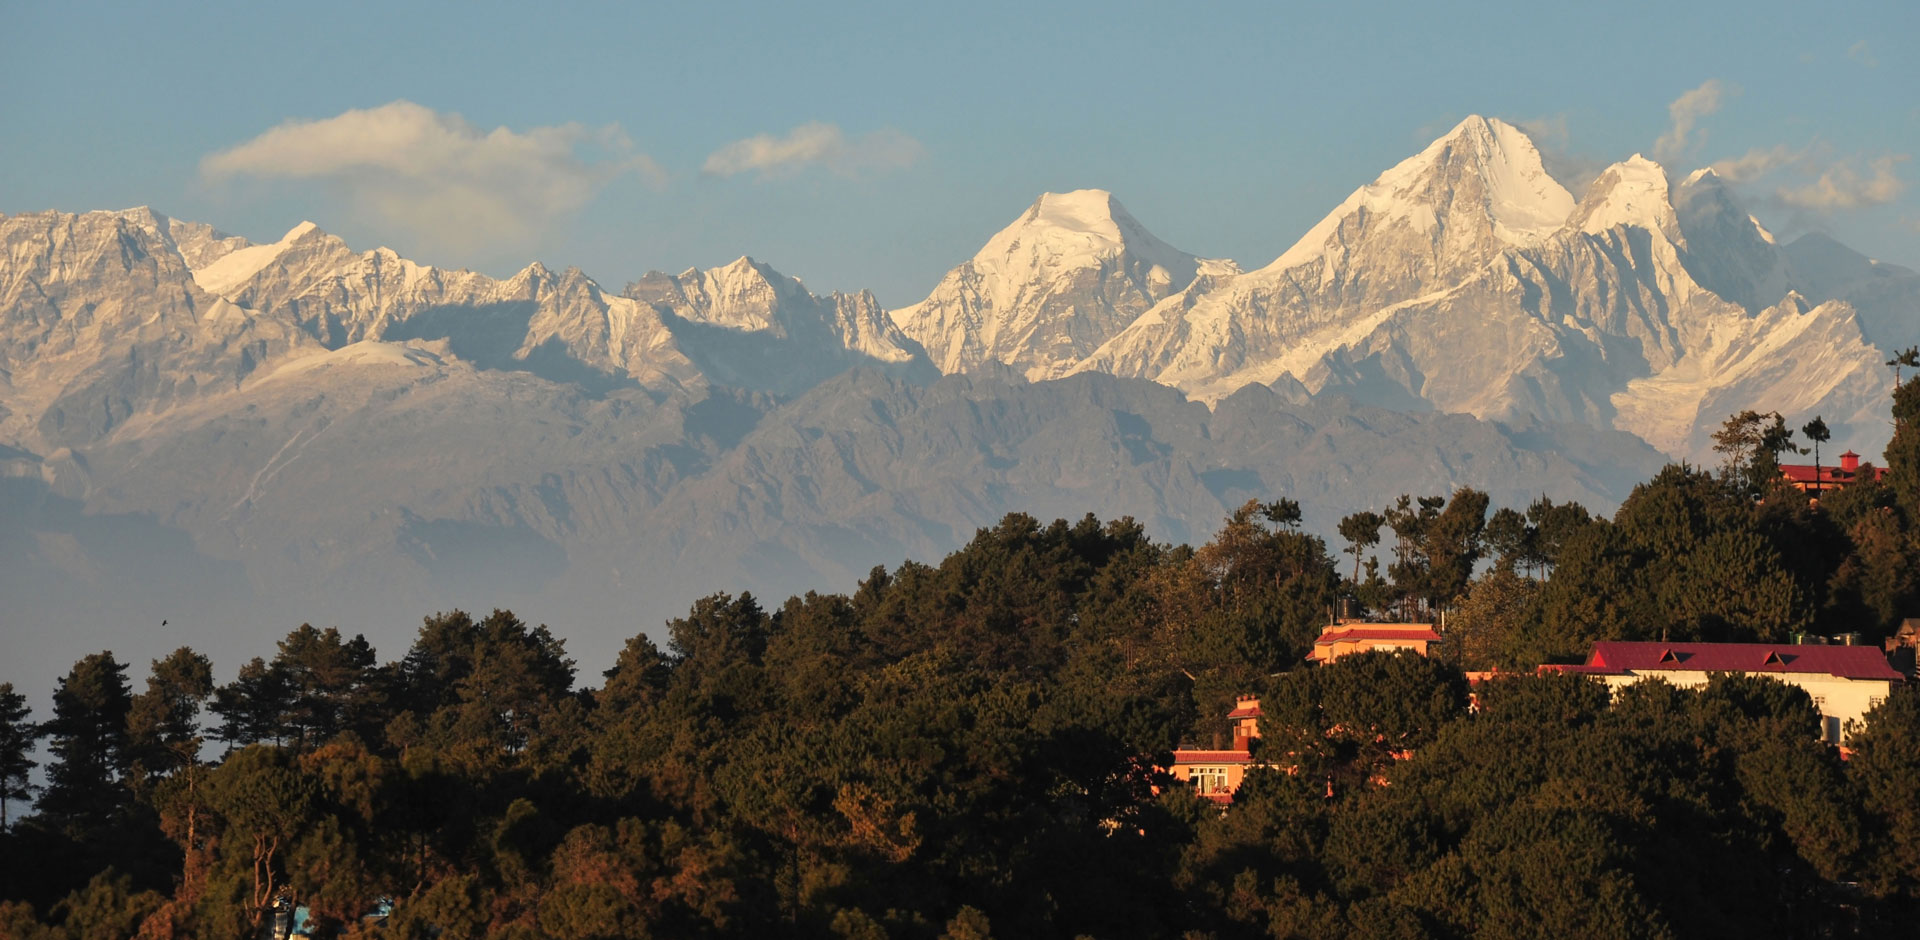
x,y
1212,757
1245,709
1848,662
1828,475
1376,633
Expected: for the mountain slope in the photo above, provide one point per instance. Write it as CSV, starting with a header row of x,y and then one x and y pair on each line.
x,y
758,328
1045,291
1465,279
364,485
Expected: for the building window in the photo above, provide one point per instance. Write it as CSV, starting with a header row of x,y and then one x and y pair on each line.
x,y
1210,779
1820,702
1873,701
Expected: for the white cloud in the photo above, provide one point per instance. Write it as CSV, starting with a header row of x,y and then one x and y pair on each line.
x,y
438,177
1862,53
815,144
1684,118
1759,162
1841,186
1813,181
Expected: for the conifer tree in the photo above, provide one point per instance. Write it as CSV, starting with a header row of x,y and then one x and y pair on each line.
x,y
17,737
88,738
163,725
1903,452
1817,432
253,707
1362,531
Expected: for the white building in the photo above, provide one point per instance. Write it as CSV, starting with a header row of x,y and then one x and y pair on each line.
x,y
1844,681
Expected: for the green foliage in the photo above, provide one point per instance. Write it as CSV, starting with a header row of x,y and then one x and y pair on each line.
x,y
163,724
17,738
88,739
1903,452
1497,625
1439,543
106,909
1885,776
1362,531
973,748
1753,443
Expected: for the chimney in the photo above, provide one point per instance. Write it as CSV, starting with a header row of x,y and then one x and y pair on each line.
x,y
1850,462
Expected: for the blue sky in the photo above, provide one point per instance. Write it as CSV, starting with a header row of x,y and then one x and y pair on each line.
x,y
877,145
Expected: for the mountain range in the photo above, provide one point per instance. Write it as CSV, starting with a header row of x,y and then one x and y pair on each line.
x,y
239,437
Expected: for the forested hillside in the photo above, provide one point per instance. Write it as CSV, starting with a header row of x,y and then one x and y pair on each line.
x,y
972,749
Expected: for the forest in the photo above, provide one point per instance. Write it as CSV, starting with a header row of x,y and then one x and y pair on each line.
x,y
977,748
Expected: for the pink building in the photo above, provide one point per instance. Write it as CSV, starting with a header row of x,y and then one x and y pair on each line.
x,y
1351,636
1215,774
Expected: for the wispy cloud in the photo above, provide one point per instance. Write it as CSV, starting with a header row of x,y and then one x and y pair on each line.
x,y
1841,186
1862,53
1573,170
1813,181
815,144
1684,115
438,177
1760,161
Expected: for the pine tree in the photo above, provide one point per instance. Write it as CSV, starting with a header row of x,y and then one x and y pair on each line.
x,y
88,738
1817,432
253,707
1362,531
163,726
1903,452
17,737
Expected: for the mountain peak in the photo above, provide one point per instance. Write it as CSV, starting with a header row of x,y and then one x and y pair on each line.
x,y
1079,210
1080,229
1481,185
1729,252
1068,273
1474,127
1633,193
235,268
143,215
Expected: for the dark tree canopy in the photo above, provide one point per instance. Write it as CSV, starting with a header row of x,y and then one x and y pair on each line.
x,y
976,747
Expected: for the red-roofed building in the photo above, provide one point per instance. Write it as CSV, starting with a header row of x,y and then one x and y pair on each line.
x,y
1350,636
1817,480
1844,681
1216,773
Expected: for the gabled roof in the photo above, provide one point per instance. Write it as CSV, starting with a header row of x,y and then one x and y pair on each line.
x,y
1826,474
1380,631
1184,756
1612,657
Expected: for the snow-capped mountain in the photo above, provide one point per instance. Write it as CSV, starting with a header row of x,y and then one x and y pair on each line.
x,y
1046,291
1467,279
656,338
307,429
110,314
100,319
764,330
240,437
